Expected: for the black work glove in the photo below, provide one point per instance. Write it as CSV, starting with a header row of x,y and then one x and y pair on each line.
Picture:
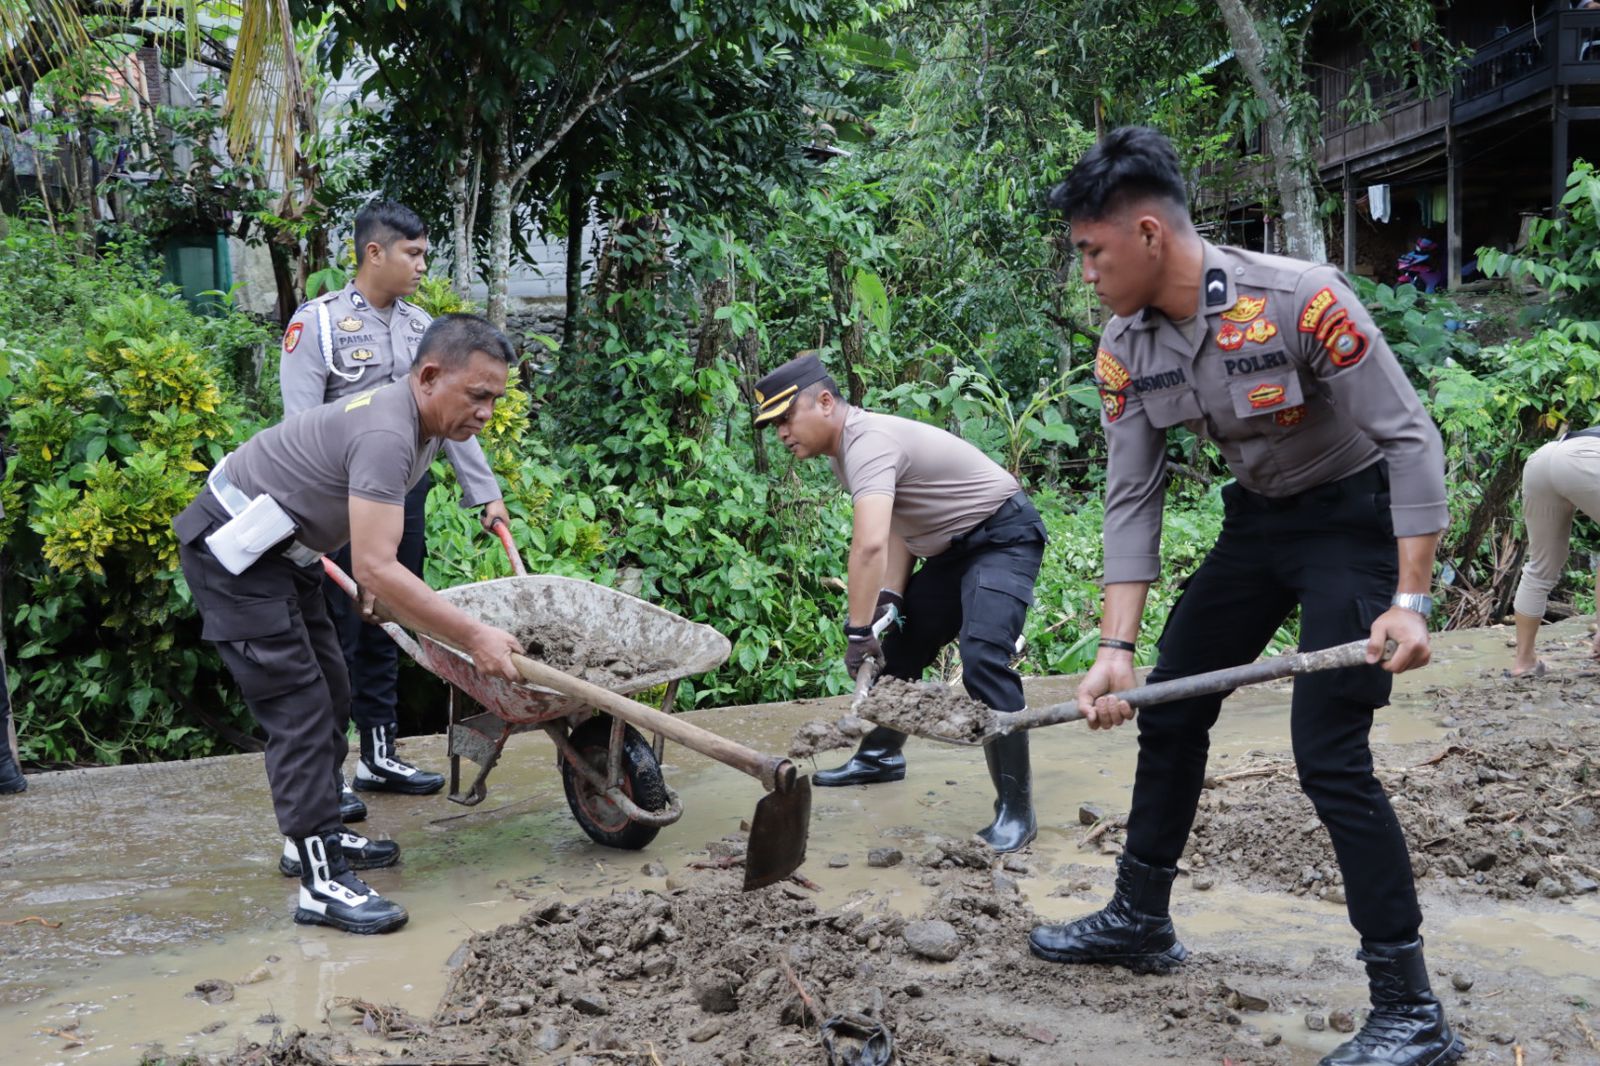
x,y
888,598
862,646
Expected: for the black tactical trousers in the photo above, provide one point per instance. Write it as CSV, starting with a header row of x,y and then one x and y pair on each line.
x,y
978,591
271,626
372,659
1331,550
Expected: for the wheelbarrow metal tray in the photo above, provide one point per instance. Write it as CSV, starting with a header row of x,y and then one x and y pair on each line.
x,y
584,610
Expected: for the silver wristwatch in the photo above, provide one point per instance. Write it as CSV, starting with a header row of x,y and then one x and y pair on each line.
x,y
1420,602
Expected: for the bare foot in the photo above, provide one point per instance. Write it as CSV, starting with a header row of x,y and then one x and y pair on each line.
x,y
1538,669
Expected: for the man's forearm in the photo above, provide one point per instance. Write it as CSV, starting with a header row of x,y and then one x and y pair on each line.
x,y
1416,562
411,602
868,567
1124,608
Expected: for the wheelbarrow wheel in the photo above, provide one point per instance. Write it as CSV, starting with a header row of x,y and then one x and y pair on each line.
x,y
642,782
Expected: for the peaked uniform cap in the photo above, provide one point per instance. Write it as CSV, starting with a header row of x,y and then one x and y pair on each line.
x,y
775,393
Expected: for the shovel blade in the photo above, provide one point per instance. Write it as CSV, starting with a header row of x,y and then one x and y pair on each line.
x,y
778,834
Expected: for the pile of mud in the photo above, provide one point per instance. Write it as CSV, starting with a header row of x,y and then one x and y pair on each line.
x,y
704,974
1506,807
921,708
594,659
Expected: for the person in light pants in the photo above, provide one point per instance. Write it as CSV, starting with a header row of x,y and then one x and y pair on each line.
x,y
1561,478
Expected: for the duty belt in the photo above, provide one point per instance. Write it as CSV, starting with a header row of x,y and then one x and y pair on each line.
x,y
234,501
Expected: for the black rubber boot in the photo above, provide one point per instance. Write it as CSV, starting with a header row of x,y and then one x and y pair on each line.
x,y
359,852
331,895
381,769
877,759
1014,825
351,809
11,779
1133,930
1406,1026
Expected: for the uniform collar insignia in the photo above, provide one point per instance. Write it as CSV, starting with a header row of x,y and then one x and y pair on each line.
x,y
358,301
1216,287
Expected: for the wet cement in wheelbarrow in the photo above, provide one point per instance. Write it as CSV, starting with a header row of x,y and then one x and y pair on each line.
x,y
593,658
921,708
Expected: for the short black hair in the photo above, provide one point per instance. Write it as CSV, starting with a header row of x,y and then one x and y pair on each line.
x,y
452,339
383,222
1132,162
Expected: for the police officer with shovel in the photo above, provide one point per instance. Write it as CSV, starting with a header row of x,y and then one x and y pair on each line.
x,y
923,494
1336,509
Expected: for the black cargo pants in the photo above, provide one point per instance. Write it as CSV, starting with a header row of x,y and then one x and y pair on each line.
x,y
1331,550
271,626
372,659
976,591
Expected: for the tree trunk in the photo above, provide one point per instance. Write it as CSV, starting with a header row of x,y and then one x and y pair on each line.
x,y
847,321
1259,44
747,350
500,215
461,225
577,215
283,278
715,333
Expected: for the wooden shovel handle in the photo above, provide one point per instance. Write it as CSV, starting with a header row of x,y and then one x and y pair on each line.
x,y
775,774
1305,662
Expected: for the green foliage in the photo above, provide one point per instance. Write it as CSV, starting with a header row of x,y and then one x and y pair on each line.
x,y
114,410
1424,329
1563,259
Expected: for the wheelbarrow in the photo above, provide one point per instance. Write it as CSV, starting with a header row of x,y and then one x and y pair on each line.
x,y
611,775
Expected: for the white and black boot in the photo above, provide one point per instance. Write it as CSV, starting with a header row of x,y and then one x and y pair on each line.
x,y
351,809
360,853
331,895
381,769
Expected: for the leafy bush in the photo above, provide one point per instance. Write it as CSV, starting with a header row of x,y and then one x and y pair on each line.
x,y
1563,259
114,410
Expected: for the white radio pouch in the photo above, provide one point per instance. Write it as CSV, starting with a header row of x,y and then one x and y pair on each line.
x,y
239,542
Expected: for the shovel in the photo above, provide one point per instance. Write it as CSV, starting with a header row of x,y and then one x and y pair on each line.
x,y
1001,723
782,820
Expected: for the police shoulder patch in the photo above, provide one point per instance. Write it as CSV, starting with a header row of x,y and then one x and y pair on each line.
x,y
1113,404
1245,308
1346,346
291,337
1110,371
1315,308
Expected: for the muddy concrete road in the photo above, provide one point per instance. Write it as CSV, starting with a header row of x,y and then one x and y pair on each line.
x,y
164,877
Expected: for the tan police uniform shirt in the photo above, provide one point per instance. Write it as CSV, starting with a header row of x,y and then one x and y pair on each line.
x,y
942,486
369,446
358,352
1286,372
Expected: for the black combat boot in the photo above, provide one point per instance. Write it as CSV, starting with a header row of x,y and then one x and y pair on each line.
x,y
351,809
381,769
1014,825
877,759
360,852
1406,1026
1133,930
331,895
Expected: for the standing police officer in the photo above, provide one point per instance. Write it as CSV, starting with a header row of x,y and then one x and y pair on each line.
x,y
251,545
1337,507
340,344
922,493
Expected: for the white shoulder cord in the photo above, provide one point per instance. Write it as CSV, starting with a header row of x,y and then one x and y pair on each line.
x,y
326,334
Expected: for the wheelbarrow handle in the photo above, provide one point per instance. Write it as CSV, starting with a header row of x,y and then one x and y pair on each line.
x,y
1279,666
351,589
503,531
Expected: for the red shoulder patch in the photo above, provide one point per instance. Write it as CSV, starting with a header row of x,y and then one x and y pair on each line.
x,y
1346,345
1316,307
1109,369
291,337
